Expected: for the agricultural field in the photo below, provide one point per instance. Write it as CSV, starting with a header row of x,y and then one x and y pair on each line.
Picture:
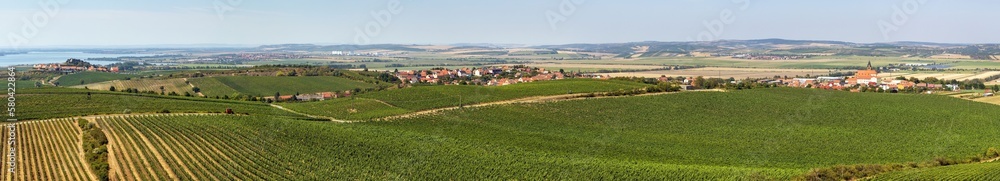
x,y
392,102
643,137
267,86
91,77
47,150
787,129
946,75
586,67
817,62
177,85
738,73
348,109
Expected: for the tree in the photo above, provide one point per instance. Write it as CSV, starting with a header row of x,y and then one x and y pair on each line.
x,y
931,80
277,95
187,94
112,89
196,89
81,82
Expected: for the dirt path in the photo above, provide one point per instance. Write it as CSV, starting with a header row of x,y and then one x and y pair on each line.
x,y
192,86
81,155
54,80
309,115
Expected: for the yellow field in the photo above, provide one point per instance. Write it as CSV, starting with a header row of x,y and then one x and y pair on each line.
x,y
991,100
947,76
951,56
570,66
719,72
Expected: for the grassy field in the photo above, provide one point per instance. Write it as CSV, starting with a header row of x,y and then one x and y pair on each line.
x,y
430,97
90,77
984,171
267,86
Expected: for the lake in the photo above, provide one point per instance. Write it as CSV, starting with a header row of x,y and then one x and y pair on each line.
x,y
32,58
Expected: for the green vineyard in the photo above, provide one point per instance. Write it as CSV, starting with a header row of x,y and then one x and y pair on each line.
x,y
394,102
268,86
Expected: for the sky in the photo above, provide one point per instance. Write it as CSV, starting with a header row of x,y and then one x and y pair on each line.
x,y
41,23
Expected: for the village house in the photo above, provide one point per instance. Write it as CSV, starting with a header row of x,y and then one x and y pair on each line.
x,y
864,77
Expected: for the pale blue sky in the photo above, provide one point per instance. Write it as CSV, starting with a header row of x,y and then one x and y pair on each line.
x,y
254,22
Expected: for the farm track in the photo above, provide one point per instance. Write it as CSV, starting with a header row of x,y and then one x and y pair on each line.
x,y
54,79
192,86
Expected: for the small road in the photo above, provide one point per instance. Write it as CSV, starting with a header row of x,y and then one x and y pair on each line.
x,y
192,86
310,115
53,81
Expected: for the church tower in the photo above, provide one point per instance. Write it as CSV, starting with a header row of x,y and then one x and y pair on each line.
x,y
869,65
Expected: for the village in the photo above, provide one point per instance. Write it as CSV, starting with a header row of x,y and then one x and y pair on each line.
x,y
868,80
74,65
486,76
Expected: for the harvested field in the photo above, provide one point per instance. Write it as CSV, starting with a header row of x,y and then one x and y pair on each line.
x,y
569,66
726,73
